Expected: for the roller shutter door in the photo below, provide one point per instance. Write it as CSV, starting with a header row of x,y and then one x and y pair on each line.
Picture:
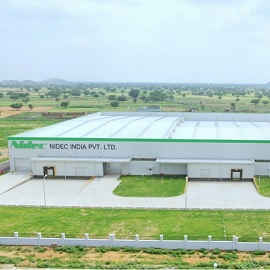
x,y
114,167
22,164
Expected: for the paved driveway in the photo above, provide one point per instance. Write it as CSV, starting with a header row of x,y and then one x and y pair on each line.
x,y
18,189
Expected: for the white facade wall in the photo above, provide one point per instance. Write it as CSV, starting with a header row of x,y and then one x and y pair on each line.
x,y
21,158
66,168
176,169
143,168
221,171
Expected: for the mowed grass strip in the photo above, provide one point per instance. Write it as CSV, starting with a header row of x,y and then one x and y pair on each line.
x,y
150,186
125,223
263,183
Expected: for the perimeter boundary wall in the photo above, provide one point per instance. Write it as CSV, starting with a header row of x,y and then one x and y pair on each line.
x,y
111,241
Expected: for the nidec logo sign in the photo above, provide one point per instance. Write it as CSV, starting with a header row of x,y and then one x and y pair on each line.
x,y
27,145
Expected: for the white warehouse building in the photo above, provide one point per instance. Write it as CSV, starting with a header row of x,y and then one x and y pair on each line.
x,y
207,146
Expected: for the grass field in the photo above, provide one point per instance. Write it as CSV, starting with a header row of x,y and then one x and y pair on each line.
x,y
150,186
20,123
263,184
125,223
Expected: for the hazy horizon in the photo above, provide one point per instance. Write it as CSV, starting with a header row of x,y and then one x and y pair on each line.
x,y
156,41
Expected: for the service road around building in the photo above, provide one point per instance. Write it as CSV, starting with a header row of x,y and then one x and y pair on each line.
x,y
20,189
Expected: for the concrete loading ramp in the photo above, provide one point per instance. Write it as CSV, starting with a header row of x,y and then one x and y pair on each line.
x,y
98,193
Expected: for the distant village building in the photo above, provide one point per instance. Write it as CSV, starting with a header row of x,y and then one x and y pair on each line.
x,y
149,109
193,110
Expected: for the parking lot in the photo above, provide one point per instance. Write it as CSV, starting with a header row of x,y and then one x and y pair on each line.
x,y
20,189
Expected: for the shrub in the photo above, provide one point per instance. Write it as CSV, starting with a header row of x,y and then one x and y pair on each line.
x,y
40,249
259,252
228,256
216,251
131,249
102,249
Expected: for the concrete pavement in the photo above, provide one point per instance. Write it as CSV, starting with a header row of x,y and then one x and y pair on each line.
x,y
16,189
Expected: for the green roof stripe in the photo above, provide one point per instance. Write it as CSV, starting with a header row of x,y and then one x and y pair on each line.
x,y
133,140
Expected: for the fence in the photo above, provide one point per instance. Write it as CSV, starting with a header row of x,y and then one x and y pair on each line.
x,y
111,241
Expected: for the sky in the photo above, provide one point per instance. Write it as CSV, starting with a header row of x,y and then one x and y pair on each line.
x,y
171,41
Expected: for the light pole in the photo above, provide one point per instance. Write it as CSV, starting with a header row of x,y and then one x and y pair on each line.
x,y
44,193
186,192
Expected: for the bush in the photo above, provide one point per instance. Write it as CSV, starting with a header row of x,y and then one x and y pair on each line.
x,y
228,256
132,249
102,249
216,251
40,249
70,249
259,252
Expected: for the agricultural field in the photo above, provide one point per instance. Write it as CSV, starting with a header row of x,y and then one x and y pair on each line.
x,y
130,258
170,98
52,104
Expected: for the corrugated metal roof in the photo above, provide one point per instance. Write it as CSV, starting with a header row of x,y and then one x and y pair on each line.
x,y
154,126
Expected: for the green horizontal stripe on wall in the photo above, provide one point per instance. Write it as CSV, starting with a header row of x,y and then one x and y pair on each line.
x,y
133,140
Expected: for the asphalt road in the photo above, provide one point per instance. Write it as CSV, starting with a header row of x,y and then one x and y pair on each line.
x,y
4,166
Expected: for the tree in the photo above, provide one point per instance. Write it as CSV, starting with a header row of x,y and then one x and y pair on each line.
x,y
134,93
111,97
1,95
233,105
16,106
122,98
86,92
255,101
14,96
30,106
26,99
36,88
115,104
64,104
75,93
265,102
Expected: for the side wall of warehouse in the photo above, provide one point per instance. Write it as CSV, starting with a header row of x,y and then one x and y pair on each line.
x,y
85,158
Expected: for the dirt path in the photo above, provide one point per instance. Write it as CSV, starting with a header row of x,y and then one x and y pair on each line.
x,y
7,111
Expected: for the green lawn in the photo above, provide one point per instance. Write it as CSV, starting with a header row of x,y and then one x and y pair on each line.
x,y
125,223
263,184
22,122
150,186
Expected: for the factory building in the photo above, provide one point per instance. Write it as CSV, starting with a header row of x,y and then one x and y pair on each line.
x,y
206,146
